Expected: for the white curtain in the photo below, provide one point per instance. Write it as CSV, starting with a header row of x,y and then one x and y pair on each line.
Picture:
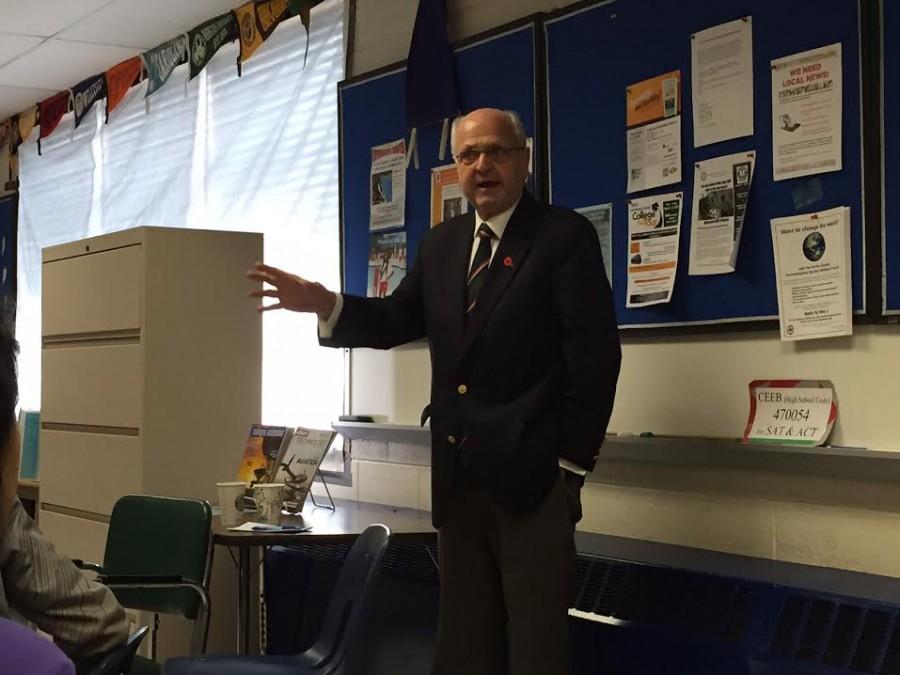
x,y
56,205
147,156
257,153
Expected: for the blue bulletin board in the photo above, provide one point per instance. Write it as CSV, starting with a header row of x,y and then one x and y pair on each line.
x,y
890,21
499,69
593,52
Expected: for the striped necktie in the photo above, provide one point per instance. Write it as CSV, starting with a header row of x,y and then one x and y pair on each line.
x,y
480,263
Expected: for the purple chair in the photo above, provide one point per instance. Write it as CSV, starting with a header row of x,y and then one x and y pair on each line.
x,y
24,652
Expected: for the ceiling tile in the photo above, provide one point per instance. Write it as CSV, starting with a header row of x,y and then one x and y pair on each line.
x,y
45,17
142,24
12,45
14,100
58,64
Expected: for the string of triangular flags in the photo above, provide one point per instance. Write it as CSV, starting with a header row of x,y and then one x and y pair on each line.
x,y
252,23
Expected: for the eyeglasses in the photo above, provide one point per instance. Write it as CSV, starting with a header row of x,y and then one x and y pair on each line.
x,y
495,153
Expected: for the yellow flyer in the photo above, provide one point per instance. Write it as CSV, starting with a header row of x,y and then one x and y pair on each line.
x,y
653,99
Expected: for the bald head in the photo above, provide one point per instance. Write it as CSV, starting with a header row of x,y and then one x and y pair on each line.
x,y
506,118
491,159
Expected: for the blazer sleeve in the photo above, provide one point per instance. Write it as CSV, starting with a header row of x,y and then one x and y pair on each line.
x,y
383,323
590,348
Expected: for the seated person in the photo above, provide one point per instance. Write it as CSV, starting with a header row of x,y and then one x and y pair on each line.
x,y
36,582
27,653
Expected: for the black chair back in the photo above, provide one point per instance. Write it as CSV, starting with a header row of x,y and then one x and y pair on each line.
x,y
340,646
119,660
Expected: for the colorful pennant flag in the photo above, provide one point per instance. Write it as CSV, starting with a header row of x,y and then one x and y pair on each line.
x,y
85,94
162,60
51,112
269,14
252,23
15,139
251,38
206,39
26,122
119,79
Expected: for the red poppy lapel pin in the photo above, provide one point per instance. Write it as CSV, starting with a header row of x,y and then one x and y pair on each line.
x,y
507,262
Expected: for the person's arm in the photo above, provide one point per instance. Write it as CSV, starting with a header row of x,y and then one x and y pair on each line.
x,y
380,323
326,326
292,292
24,652
83,616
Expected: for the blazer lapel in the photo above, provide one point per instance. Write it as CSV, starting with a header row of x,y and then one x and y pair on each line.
x,y
510,255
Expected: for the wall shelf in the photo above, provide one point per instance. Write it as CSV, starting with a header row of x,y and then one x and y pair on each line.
x,y
853,463
828,461
385,433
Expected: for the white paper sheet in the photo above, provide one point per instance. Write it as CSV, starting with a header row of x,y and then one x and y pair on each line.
x,y
653,233
722,82
654,154
600,216
721,191
812,271
807,113
387,187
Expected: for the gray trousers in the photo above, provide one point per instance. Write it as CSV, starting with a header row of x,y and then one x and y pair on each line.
x,y
504,583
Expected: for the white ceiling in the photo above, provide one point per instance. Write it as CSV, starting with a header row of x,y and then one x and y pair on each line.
x,y
48,45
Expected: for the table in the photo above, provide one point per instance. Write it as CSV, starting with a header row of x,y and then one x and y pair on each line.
x,y
348,520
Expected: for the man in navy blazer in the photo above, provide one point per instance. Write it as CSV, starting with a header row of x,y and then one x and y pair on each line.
x,y
525,357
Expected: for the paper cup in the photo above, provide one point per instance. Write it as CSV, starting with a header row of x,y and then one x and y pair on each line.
x,y
231,496
268,498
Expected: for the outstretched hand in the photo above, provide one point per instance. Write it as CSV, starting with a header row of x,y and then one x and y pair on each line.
x,y
292,292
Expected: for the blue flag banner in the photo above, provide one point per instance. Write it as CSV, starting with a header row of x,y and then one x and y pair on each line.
x,y
431,87
86,93
160,61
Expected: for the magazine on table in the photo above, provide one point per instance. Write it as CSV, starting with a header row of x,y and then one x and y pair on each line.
x,y
263,452
301,460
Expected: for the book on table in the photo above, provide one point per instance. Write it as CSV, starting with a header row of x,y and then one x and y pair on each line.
x,y
263,452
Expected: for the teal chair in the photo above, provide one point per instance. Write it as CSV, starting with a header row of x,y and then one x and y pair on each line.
x,y
158,559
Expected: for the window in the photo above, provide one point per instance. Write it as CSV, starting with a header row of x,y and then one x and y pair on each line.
x,y
257,153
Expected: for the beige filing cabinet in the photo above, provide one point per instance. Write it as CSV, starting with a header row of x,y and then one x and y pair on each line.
x,y
151,372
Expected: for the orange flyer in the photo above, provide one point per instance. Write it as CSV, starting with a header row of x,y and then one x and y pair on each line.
x,y
653,99
447,200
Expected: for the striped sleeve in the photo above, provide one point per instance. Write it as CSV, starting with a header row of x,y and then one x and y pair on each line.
x,y
46,588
